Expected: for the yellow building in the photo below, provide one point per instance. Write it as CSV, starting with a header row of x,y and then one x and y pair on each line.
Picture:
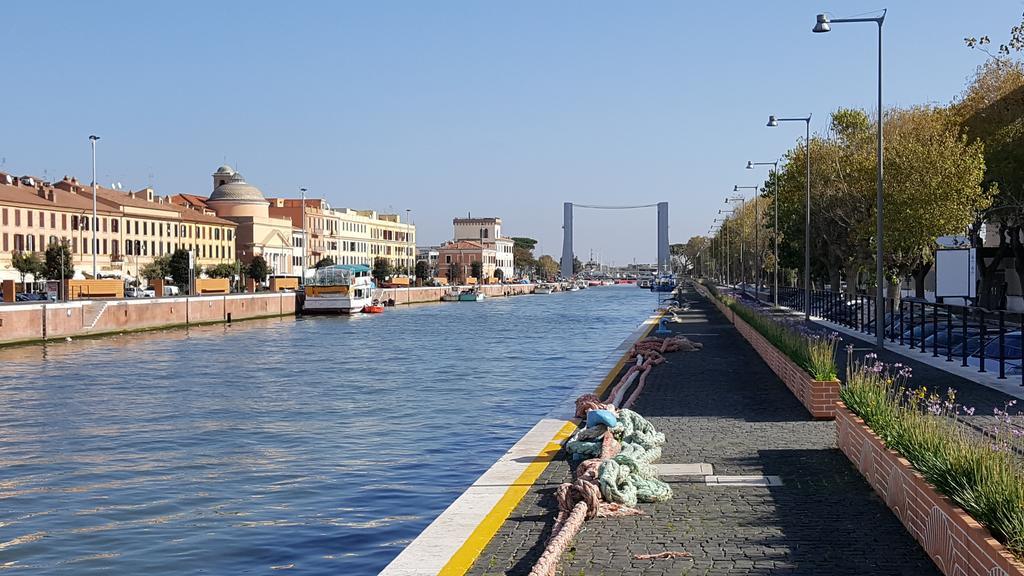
x,y
131,228
349,236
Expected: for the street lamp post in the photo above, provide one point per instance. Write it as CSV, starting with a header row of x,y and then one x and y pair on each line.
x,y
824,24
93,138
775,229
773,122
728,250
743,268
305,238
757,241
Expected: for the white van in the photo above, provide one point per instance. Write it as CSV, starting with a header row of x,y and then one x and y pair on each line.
x,y
171,291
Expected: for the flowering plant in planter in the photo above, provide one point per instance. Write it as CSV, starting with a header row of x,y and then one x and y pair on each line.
x,y
812,350
980,471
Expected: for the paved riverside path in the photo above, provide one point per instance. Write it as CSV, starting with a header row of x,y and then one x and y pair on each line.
x,y
725,407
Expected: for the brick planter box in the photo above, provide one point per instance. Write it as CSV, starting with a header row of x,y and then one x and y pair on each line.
x,y
957,543
818,396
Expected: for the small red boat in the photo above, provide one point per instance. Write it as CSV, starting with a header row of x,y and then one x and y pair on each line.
x,y
373,309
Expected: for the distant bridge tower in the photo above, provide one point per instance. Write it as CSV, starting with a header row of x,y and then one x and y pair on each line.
x,y
567,252
663,262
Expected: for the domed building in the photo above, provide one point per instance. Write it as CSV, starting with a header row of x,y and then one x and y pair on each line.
x,y
233,196
258,234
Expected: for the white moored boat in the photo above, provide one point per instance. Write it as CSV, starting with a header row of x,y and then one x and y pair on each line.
x,y
339,289
543,289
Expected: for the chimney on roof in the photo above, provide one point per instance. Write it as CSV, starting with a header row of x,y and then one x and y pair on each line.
x,y
51,196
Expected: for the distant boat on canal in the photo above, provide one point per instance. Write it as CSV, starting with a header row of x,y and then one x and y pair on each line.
x,y
339,289
664,283
471,295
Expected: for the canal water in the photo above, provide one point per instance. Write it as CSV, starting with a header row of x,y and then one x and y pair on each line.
x,y
310,446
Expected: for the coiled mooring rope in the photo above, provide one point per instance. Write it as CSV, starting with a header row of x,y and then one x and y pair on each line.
x,y
619,472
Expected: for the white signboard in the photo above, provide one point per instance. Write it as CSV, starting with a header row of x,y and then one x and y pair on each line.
x,y
955,273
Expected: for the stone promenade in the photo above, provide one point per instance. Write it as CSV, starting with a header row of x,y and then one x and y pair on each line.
x,y
723,406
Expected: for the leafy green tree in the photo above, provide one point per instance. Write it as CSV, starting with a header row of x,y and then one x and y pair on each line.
x,y
59,261
27,263
325,261
381,269
178,268
499,274
222,270
991,109
547,267
476,269
258,269
160,267
422,270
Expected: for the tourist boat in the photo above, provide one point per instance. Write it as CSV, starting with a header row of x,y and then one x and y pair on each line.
x,y
339,289
644,283
373,309
543,289
471,295
664,283
593,283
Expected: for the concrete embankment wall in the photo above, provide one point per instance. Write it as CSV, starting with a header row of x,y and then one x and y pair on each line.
x,y
38,321
416,295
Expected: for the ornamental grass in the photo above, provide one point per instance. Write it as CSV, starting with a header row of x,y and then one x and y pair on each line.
x,y
980,471
813,351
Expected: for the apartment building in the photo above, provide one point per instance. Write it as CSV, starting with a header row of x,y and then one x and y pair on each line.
x,y
487,233
131,228
455,260
349,236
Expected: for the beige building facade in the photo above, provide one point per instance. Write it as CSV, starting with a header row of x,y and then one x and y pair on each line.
x,y
131,228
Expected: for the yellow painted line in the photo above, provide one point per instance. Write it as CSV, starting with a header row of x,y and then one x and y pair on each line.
x,y
466,555
603,387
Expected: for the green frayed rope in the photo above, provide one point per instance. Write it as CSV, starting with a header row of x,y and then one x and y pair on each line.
x,y
629,477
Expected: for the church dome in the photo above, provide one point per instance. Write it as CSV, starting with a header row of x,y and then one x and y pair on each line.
x,y
236,189
227,170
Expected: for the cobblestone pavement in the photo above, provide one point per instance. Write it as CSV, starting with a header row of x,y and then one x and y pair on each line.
x,y
725,407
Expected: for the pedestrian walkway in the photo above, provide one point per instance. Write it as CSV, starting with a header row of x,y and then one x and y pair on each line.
x,y
724,407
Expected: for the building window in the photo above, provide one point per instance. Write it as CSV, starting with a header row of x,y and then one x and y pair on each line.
x,y
5,216
145,228
104,246
114,227
53,220
104,227
114,247
5,242
17,217
30,213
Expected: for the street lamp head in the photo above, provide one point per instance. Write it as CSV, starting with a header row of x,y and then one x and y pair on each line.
x,y
750,164
736,188
822,25
93,137
772,122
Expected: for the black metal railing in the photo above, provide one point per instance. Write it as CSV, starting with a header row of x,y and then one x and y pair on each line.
x,y
985,339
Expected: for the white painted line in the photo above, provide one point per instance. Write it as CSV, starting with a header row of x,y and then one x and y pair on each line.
x,y
434,547
700,469
743,481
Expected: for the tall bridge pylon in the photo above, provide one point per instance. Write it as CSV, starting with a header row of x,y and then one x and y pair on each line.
x,y
567,251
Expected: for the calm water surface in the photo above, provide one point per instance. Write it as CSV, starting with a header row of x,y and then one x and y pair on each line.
x,y
309,446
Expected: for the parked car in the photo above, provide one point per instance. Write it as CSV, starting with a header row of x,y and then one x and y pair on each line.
x,y
1011,350
956,338
30,297
171,291
136,292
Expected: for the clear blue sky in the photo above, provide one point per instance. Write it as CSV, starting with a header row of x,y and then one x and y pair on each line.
x,y
445,108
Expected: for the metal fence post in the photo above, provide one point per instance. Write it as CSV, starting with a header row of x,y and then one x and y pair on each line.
x,y
981,339
1002,345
